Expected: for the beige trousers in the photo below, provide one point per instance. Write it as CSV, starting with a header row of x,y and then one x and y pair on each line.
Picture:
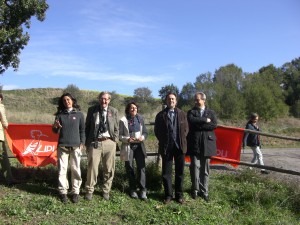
x,y
64,155
106,155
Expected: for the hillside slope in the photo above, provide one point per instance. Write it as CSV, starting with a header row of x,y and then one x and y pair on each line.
x,y
37,105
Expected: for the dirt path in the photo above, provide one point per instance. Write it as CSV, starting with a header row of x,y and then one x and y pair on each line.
x,y
288,159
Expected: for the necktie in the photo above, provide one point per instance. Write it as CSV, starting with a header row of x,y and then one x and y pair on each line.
x,y
104,115
171,115
201,112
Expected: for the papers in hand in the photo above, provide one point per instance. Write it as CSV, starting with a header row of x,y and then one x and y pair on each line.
x,y
135,136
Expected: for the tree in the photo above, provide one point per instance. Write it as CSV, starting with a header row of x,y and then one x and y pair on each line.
x,y
164,91
205,83
15,15
263,94
226,96
143,94
230,76
291,85
228,103
187,96
73,90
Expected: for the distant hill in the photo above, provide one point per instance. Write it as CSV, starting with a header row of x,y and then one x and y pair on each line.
x,y
38,105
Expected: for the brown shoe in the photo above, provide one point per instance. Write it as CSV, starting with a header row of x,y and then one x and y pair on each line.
x,y
88,196
63,198
75,198
106,196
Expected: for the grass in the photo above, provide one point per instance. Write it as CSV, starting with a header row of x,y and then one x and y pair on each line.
x,y
237,197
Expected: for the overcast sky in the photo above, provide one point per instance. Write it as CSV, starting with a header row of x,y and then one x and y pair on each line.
x,y
121,45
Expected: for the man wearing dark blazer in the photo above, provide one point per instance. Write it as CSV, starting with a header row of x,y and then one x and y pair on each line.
x,y
171,129
201,144
102,134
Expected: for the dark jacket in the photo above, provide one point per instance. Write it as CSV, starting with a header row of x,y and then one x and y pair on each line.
x,y
251,139
72,133
161,130
112,124
201,138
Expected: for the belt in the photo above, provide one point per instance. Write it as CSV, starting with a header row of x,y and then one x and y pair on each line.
x,y
68,148
103,139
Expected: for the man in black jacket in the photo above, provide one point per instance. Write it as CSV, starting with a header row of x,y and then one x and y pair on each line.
x,y
201,144
171,129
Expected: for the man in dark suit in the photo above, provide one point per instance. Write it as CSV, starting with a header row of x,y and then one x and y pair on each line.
x,y
201,144
171,129
102,134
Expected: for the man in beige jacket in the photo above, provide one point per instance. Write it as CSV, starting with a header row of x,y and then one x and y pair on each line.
x,y
4,161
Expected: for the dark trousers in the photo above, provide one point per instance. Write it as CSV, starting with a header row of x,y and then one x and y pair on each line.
x,y
5,164
139,157
167,164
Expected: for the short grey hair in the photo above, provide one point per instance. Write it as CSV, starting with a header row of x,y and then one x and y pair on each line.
x,y
104,93
203,96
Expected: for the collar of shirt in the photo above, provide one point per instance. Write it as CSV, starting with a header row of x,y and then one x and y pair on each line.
x,y
69,110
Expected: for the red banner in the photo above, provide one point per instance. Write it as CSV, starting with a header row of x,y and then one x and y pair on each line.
x,y
229,143
36,144
32,144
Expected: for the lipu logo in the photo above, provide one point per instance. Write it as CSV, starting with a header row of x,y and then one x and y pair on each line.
x,y
36,145
222,153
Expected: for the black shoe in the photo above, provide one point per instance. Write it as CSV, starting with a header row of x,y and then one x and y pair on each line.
x,y
63,198
264,172
144,196
167,201
204,197
194,194
180,200
75,198
13,182
133,194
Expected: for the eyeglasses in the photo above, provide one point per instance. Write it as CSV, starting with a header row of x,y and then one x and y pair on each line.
x,y
133,108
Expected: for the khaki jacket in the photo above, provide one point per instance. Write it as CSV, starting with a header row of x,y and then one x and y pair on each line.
x,y
90,124
3,120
